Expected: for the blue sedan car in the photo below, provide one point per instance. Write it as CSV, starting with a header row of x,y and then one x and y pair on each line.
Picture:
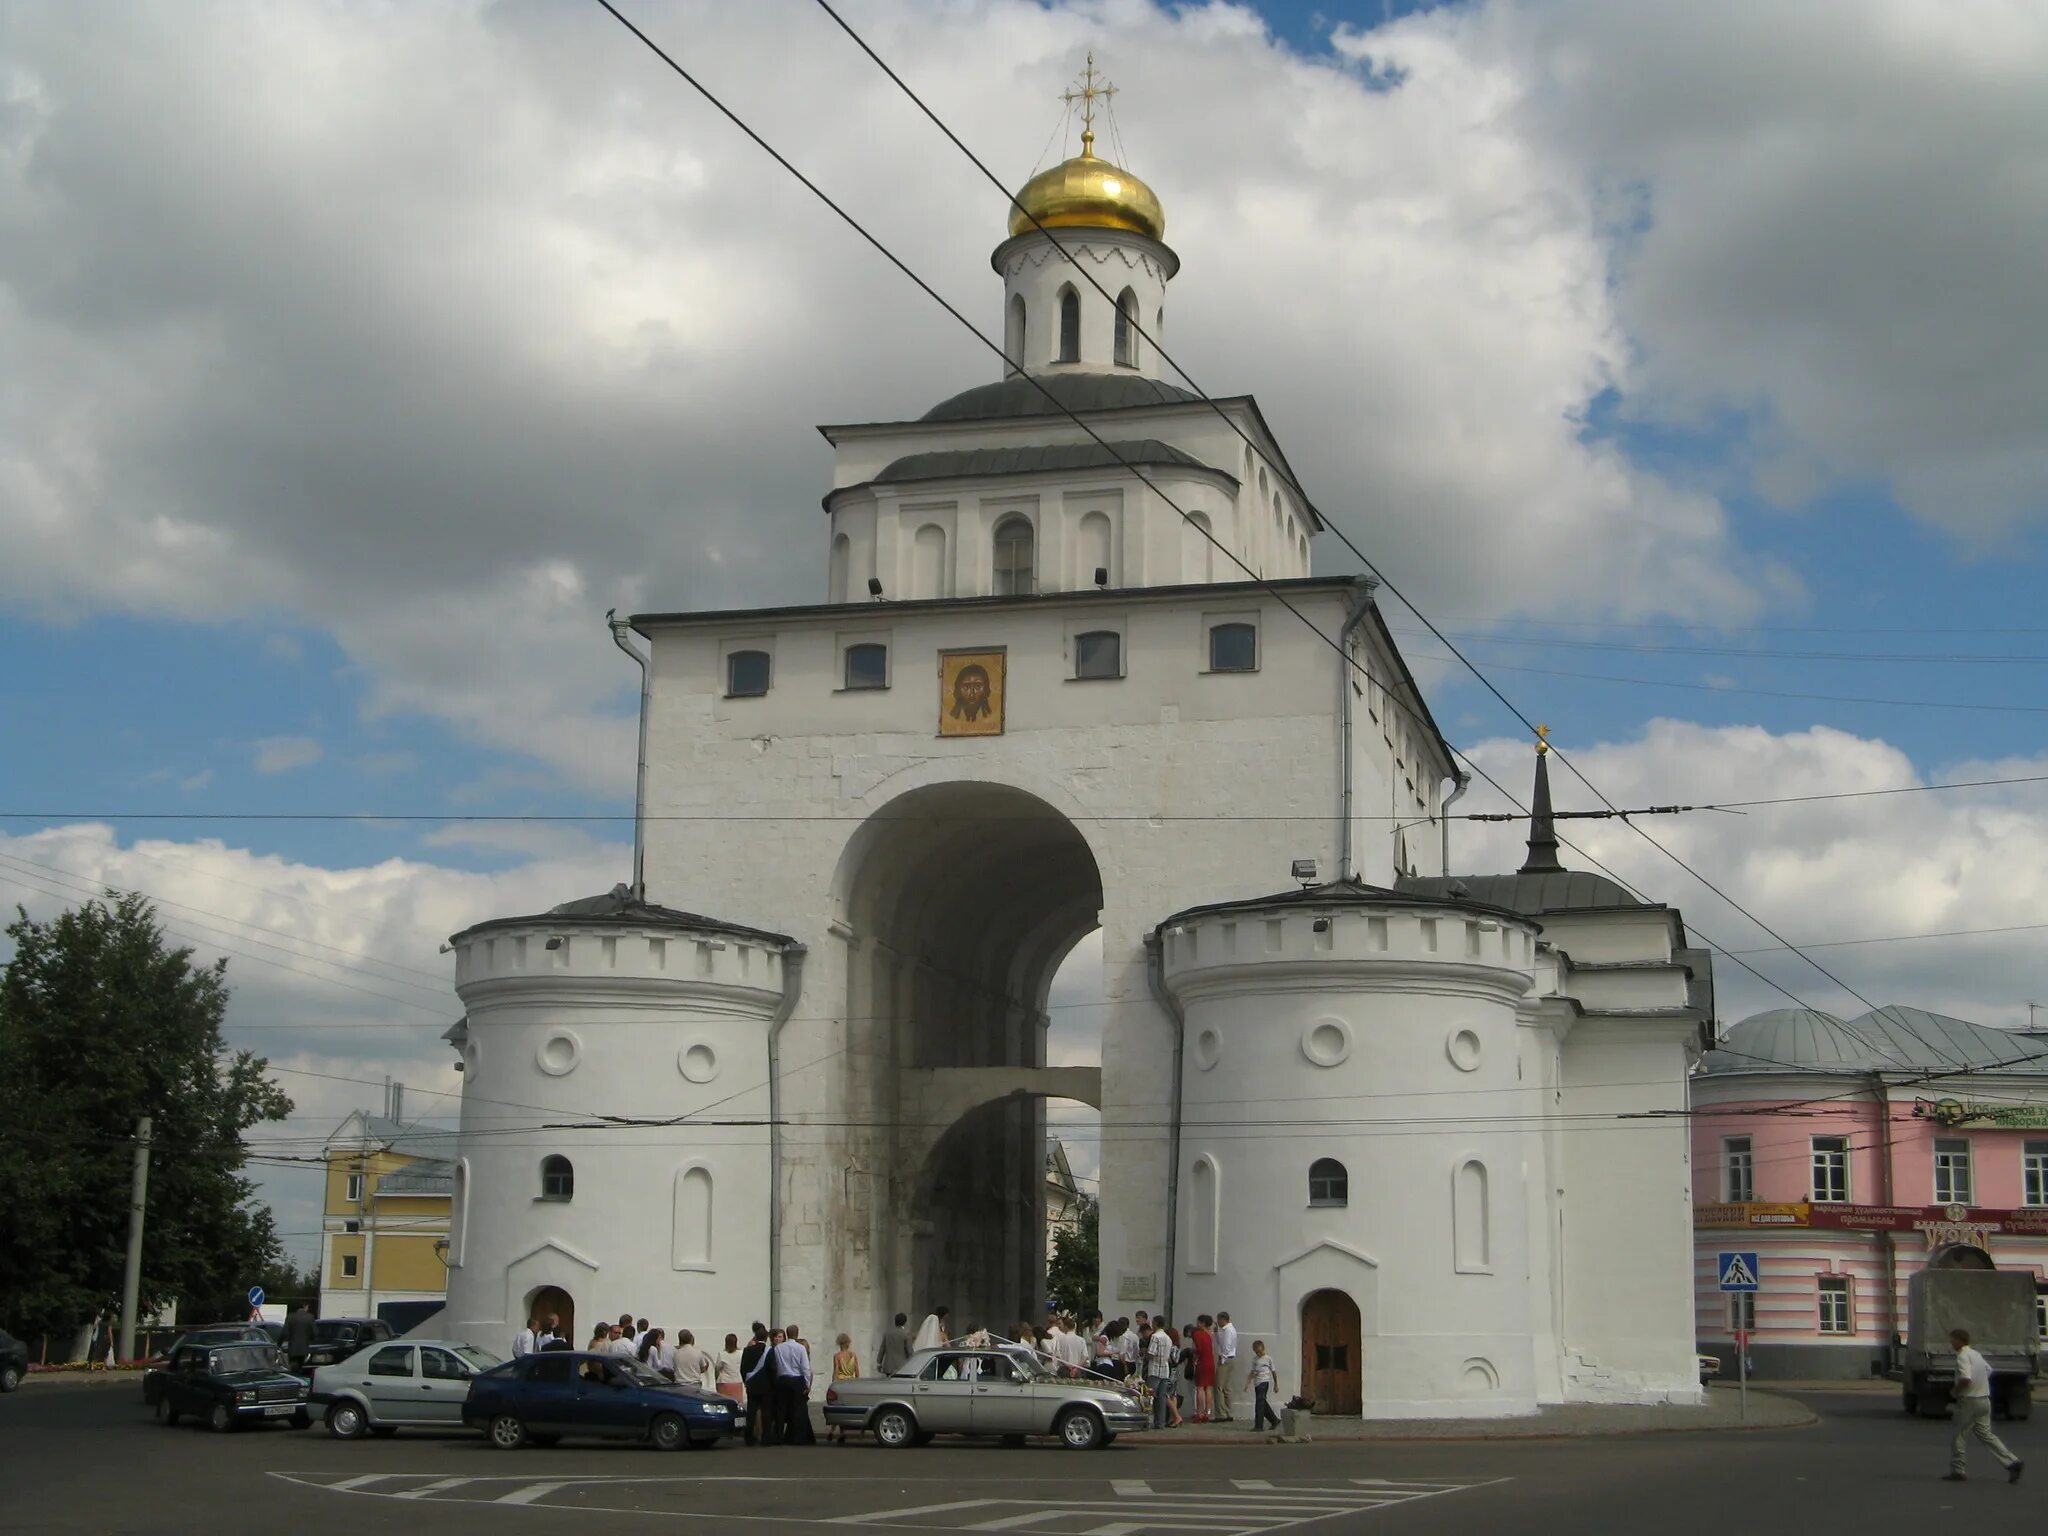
x,y
541,1398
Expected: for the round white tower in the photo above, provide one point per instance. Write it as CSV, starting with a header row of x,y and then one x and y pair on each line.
x,y
1353,1117
610,1046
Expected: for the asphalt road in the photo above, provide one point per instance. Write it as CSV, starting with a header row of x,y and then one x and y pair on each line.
x,y
90,1459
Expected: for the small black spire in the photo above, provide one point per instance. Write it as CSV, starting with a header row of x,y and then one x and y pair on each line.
x,y
1542,858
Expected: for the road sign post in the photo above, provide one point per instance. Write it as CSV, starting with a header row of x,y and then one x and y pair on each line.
x,y
1740,1276
255,1303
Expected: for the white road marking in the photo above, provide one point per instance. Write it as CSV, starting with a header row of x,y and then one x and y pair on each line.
x,y
433,1488
1130,1485
527,1494
875,1516
365,1480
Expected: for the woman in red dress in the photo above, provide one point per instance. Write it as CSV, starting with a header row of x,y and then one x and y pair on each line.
x,y
1204,1337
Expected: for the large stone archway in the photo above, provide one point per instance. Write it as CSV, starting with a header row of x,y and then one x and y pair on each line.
x,y
958,902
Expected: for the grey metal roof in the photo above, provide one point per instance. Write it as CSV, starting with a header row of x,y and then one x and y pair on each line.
x,y
964,463
1341,893
1893,1038
620,906
1565,890
1019,395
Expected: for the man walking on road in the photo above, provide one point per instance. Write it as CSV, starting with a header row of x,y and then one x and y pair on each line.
x,y
1226,1363
1973,1413
298,1334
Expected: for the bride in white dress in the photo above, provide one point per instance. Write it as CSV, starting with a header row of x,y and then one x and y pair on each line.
x,y
931,1333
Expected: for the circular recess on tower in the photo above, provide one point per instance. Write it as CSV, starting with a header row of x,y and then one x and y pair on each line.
x,y
1463,1049
697,1061
1208,1049
559,1053
1327,1042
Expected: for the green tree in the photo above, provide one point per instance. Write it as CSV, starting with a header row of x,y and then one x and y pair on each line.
x,y
102,1022
1073,1275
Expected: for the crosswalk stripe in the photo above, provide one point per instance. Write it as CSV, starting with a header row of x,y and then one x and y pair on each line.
x,y
527,1494
433,1488
365,1480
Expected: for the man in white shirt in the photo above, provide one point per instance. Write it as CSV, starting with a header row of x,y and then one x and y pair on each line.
x,y
793,1388
1226,1363
1972,1394
529,1339
1069,1349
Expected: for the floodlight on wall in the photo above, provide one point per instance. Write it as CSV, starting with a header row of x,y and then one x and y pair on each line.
x,y
1304,870
554,943
875,588
1102,576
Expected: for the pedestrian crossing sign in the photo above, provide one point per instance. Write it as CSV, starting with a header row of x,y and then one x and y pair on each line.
x,y
1738,1272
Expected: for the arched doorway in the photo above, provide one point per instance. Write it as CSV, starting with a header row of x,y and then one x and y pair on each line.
x,y
552,1299
1332,1375
960,901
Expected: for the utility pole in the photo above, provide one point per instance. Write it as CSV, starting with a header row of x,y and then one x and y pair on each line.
x,y
131,1273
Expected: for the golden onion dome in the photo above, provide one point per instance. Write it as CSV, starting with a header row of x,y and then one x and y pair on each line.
x,y
1089,193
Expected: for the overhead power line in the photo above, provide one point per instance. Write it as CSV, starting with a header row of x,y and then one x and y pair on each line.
x,y
1964,658
1279,469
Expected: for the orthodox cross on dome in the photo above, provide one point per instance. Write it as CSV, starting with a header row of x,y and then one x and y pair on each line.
x,y
1090,91
1542,740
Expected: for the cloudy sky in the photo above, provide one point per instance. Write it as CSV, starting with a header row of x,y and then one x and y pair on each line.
x,y
1685,363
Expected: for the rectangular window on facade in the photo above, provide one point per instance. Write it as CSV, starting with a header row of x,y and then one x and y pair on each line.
x,y
1233,648
1836,1315
355,1187
1099,653
1738,1157
1831,1170
746,674
867,666
2034,1173
2041,1315
1741,1312
348,1266
1952,1171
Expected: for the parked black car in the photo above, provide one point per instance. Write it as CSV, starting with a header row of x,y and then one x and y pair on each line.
x,y
13,1361
540,1398
227,1385
336,1338
212,1333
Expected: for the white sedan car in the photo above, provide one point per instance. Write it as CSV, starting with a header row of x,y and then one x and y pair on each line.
x,y
398,1384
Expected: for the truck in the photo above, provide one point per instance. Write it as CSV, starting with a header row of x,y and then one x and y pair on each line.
x,y
1959,1288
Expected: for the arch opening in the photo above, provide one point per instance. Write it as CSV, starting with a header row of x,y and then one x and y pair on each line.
x,y
962,901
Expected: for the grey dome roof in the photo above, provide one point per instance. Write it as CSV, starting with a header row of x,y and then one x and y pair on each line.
x,y
1022,396
1894,1038
966,463
1557,890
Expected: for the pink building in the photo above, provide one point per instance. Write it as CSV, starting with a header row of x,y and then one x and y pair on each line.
x,y
1842,1153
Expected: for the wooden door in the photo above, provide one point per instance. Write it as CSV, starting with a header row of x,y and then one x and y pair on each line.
x,y
552,1298
1332,1374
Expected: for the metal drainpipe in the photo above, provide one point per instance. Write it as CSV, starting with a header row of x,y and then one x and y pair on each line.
x,y
1361,605
792,989
1155,977
1464,782
1890,1249
619,628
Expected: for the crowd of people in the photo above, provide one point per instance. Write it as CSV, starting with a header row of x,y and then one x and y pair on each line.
x,y
1188,1374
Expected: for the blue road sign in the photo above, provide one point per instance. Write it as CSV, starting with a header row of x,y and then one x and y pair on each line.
x,y
1738,1271
255,1295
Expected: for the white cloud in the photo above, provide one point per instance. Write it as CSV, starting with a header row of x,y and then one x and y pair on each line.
x,y
445,329
282,754
1831,219
335,974
192,783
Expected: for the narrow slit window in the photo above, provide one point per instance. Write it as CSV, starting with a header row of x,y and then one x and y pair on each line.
x,y
1070,326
